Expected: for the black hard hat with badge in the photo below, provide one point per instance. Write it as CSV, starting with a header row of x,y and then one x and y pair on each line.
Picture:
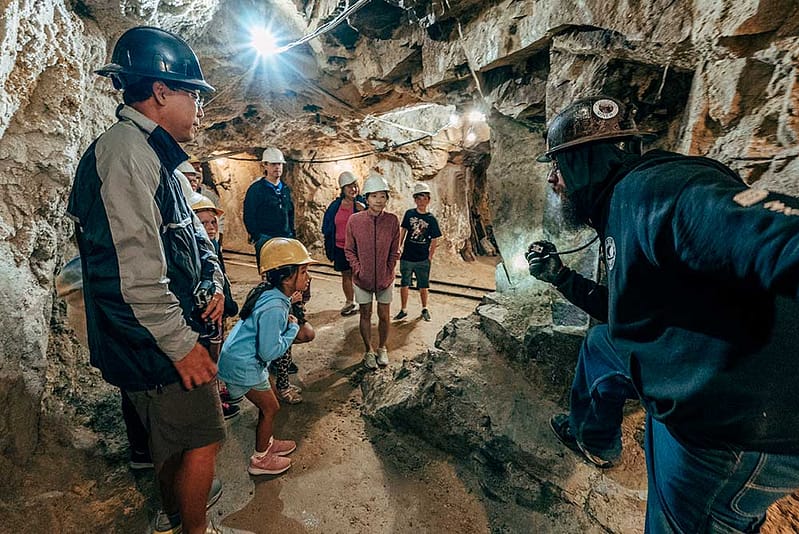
x,y
589,120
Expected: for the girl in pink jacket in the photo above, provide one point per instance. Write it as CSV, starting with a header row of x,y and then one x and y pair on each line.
x,y
372,249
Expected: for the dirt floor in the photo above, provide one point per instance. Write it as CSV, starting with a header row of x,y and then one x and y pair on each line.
x,y
347,476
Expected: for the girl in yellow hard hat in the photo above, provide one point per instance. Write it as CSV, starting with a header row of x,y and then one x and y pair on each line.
x,y
265,331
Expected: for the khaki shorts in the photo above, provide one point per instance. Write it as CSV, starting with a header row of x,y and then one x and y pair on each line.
x,y
363,296
178,420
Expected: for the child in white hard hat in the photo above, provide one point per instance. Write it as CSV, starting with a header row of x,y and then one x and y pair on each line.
x,y
371,247
419,237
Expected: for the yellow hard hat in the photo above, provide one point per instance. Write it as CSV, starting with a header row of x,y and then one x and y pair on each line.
x,y
204,203
283,251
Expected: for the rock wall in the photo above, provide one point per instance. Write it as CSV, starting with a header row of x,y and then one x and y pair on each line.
x,y
51,107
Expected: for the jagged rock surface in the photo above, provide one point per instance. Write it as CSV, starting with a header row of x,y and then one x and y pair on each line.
x,y
468,398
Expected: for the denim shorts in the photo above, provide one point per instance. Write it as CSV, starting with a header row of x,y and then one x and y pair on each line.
x,y
340,263
236,390
420,268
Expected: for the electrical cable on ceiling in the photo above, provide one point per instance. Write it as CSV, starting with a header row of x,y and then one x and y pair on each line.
x,y
346,157
325,28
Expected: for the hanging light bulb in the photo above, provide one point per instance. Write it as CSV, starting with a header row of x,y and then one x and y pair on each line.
x,y
263,41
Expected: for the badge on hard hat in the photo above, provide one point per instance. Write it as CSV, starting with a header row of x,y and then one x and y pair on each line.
x,y
605,108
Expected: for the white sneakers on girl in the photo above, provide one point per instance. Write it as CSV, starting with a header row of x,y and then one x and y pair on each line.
x,y
382,356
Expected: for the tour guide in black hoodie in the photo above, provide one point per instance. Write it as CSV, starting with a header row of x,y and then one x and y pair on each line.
x,y
703,276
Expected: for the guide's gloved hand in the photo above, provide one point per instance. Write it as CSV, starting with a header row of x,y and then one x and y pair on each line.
x,y
543,261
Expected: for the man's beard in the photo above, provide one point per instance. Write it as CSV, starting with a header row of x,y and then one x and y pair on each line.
x,y
570,215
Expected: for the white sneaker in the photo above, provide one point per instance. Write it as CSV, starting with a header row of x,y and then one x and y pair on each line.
x,y
268,464
349,309
213,528
382,356
369,361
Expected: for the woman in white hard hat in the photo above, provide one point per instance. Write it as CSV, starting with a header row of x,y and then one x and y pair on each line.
x,y
265,331
334,230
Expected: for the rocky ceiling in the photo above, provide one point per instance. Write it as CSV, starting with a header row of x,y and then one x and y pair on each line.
x,y
387,54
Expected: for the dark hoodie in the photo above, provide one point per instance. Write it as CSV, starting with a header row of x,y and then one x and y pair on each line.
x,y
702,292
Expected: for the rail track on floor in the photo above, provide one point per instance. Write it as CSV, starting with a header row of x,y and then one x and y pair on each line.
x,y
438,287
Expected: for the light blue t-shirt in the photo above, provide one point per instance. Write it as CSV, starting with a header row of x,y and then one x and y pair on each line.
x,y
238,363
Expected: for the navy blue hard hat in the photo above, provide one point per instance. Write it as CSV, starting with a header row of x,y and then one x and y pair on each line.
x,y
147,52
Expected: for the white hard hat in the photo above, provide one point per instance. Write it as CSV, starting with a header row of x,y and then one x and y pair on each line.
x,y
346,178
272,155
421,187
375,183
187,167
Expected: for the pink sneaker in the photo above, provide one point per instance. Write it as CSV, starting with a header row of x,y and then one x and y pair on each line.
x,y
282,447
268,464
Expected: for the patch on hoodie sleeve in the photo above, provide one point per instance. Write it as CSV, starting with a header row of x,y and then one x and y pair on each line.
x,y
750,197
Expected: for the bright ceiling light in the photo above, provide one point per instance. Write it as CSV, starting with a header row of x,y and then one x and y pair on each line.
x,y
476,116
263,41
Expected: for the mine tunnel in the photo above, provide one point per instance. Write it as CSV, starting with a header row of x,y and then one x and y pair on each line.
x,y
452,98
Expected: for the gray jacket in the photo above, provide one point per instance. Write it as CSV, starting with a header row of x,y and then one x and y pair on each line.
x,y
141,254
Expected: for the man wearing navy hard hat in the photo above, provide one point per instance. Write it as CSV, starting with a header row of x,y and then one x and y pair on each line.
x,y
144,263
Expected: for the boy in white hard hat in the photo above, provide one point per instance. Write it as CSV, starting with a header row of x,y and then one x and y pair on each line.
x,y
419,237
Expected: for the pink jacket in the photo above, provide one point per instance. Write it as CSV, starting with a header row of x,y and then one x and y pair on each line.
x,y
372,249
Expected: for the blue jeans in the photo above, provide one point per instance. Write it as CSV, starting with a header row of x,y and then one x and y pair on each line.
x,y
598,392
694,490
